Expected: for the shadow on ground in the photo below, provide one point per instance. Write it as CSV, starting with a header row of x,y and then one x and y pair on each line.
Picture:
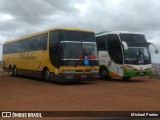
x,y
132,80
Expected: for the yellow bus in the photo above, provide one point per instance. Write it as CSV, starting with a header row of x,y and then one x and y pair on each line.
x,y
60,54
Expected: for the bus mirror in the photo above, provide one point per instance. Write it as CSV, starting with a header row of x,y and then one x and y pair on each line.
x,y
125,47
156,49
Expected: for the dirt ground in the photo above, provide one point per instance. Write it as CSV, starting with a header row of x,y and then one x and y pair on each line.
x,y
26,94
29,94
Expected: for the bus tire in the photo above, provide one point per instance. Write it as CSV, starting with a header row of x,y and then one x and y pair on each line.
x,y
126,78
10,70
103,73
46,75
14,71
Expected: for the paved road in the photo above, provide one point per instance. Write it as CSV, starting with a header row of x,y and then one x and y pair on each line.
x,y
110,95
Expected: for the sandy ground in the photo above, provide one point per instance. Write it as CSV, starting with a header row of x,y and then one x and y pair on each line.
x,y
138,94
29,94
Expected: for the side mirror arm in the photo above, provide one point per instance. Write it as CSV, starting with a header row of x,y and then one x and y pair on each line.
x,y
156,49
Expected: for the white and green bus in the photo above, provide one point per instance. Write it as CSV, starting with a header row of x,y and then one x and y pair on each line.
x,y
123,54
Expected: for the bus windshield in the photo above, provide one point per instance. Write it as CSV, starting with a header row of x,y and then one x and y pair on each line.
x,y
78,46
78,50
72,50
134,40
78,36
138,55
138,52
90,50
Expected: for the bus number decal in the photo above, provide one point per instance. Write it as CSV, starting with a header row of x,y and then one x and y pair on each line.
x,y
40,67
109,63
29,56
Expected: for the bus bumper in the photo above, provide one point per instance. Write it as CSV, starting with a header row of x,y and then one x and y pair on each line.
x,y
130,73
74,77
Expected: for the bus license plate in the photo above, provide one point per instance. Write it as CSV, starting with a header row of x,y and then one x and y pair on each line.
x,y
83,76
141,74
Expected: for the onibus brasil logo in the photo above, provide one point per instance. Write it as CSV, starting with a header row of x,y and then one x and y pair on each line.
x,y
21,114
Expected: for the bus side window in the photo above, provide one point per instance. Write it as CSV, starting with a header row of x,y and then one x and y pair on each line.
x,y
101,43
42,42
114,48
31,44
54,41
54,46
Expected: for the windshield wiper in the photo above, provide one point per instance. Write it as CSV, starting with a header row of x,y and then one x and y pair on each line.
x,y
77,63
140,58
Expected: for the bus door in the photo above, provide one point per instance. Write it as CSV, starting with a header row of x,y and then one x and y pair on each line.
x,y
116,56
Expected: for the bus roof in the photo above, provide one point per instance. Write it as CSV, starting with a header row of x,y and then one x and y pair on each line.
x,y
45,31
116,32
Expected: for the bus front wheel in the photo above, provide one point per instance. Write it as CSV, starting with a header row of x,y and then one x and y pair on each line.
x,y
46,75
103,73
14,72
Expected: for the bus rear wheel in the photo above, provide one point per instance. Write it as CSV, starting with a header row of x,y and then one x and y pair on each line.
x,y
46,75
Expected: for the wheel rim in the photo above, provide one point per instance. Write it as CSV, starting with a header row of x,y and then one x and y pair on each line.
x,y
15,72
47,75
10,71
103,73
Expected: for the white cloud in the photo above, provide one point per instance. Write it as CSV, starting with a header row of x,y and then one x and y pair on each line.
x,y
155,58
6,17
23,17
